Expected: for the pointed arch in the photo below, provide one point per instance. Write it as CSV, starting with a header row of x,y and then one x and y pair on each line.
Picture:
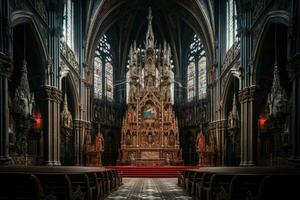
x,y
279,17
20,17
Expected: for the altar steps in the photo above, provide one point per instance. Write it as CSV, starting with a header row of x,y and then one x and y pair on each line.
x,y
151,171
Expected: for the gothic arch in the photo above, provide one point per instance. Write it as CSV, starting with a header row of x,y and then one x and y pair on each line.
x,y
74,92
20,17
94,33
232,74
275,17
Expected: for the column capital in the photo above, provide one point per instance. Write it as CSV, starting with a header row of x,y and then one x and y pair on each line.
x,y
247,94
50,93
57,95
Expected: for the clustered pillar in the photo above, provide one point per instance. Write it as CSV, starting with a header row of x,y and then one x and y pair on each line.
x,y
51,98
246,97
5,71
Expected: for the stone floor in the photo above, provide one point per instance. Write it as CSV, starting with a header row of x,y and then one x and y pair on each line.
x,y
149,188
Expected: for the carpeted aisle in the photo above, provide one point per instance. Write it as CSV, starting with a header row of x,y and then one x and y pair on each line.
x,y
149,188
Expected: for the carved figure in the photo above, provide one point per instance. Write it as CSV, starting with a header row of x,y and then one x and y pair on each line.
x,y
66,116
200,142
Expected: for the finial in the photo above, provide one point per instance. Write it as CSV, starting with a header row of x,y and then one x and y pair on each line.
x,y
150,14
150,35
66,101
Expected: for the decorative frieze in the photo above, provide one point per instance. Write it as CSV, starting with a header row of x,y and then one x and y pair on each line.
x,y
69,56
231,55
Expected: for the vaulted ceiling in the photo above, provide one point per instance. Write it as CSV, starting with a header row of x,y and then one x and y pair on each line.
x,y
126,20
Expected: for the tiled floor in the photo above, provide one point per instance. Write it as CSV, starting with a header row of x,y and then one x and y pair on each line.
x,y
149,188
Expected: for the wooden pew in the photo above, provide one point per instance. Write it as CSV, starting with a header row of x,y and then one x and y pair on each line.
x,y
21,186
231,182
80,186
67,182
282,186
58,185
242,186
103,184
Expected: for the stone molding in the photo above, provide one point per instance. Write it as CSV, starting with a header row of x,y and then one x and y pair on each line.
x,y
50,93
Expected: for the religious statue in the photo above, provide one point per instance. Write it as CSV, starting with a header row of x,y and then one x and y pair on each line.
x,y
100,142
168,159
132,158
166,141
128,139
200,142
150,138
21,103
66,117
172,139
133,91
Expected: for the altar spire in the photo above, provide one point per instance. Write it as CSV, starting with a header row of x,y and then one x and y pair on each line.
x,y
150,35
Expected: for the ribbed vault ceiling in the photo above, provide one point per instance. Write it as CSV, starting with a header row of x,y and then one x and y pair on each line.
x,y
126,20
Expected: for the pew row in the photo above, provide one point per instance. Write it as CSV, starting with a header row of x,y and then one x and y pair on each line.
x,y
238,183
66,183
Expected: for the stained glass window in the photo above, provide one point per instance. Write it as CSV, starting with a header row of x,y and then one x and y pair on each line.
x,y
109,80
191,79
231,23
68,21
196,70
202,77
103,71
98,78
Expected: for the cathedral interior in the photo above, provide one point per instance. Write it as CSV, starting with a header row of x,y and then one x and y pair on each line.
x,y
111,99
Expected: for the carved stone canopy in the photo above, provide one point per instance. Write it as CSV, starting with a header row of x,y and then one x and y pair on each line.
x,y
66,116
23,99
277,102
233,117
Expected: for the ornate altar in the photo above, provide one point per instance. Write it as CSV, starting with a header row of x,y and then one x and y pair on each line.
x,y
150,129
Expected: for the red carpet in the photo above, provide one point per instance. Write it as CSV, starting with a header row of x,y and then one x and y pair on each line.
x,y
151,171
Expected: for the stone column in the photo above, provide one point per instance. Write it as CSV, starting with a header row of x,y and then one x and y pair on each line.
x,y
295,117
79,127
294,73
246,97
51,98
5,71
